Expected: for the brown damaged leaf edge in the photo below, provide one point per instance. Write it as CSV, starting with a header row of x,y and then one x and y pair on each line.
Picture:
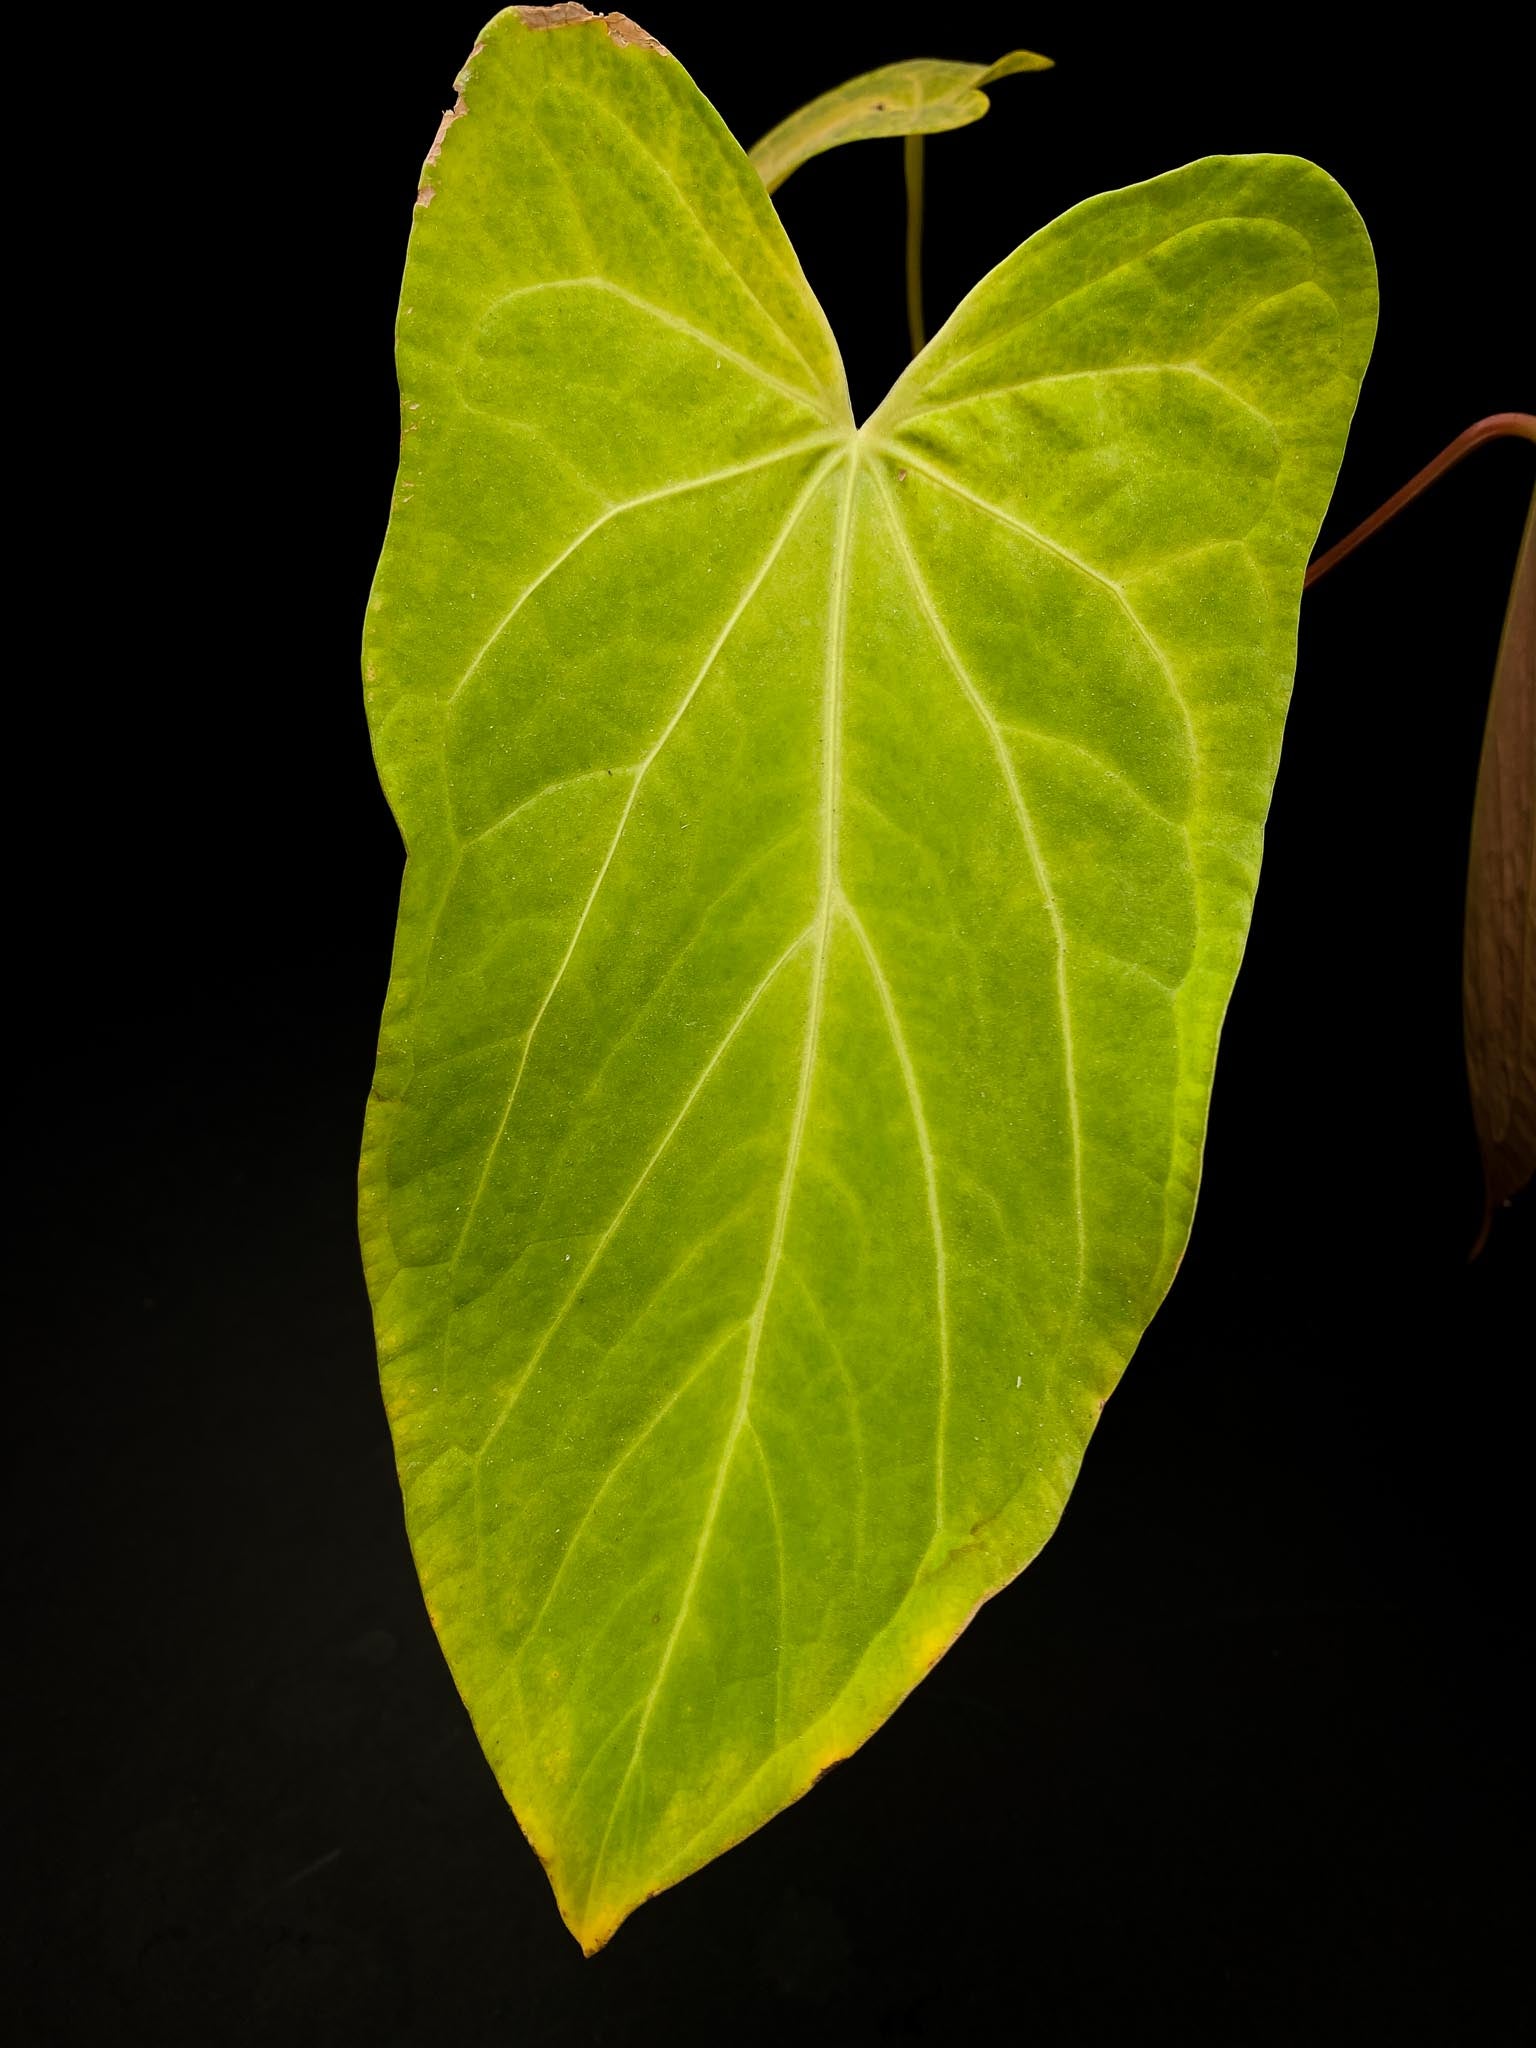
x,y
621,30
627,34
426,193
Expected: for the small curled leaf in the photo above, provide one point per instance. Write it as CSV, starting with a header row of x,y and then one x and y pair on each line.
x,y
923,96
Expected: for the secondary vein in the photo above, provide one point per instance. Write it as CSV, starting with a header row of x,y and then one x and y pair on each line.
x,y
904,1060
673,490
1185,369
1076,561
1009,772
809,399
625,814
737,1025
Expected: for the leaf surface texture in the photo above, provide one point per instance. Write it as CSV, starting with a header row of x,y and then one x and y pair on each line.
x,y
830,853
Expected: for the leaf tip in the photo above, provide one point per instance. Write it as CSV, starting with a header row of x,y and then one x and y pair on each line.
x,y
593,1926
1013,62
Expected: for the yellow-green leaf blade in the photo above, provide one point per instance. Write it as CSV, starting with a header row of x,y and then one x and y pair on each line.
x,y
1142,411
922,96
821,905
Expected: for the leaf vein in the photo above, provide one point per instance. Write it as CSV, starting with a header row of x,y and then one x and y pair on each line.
x,y
738,1024
669,319
1186,369
1089,284
673,490
702,218
636,786
1009,772
930,1181
780,1567
549,789
837,611
637,1444
1102,762
1076,561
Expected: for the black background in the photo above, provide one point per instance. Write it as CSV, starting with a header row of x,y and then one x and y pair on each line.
x,y
1236,1761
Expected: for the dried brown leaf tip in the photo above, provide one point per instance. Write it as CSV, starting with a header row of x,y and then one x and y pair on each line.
x,y
621,30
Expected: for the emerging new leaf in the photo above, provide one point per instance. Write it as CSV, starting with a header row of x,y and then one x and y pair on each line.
x,y
830,853
923,96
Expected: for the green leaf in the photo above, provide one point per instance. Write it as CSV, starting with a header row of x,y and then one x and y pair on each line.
x,y
923,96
830,853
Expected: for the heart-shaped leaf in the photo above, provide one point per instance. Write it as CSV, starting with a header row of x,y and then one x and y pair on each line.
x,y
923,96
830,853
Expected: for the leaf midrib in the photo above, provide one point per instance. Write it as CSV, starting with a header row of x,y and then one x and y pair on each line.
x,y
832,697
854,447
850,449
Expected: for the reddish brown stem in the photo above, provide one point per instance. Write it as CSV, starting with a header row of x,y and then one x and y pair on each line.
x,y
1497,427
